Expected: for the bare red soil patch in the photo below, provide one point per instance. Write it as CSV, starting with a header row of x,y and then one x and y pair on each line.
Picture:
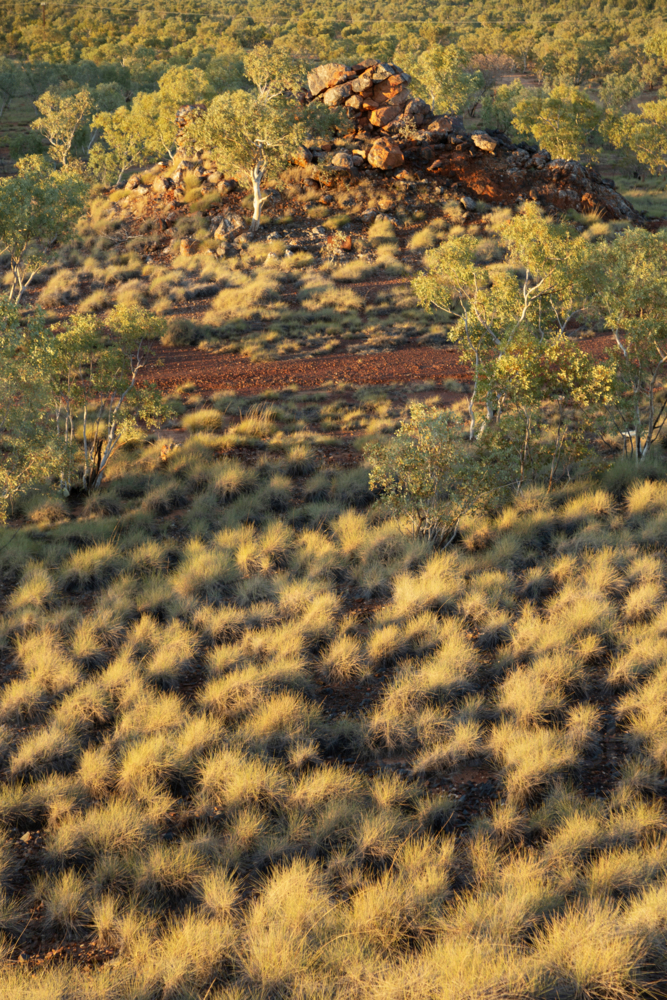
x,y
212,372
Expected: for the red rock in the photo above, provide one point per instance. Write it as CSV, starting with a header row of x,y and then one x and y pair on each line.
x,y
363,82
328,75
335,96
302,157
385,154
384,116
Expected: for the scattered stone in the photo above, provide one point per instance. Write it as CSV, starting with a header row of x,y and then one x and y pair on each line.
x,y
385,154
161,185
484,141
229,224
382,72
446,124
363,82
343,160
303,157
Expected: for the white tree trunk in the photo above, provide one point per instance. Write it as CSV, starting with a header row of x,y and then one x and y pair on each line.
x,y
256,178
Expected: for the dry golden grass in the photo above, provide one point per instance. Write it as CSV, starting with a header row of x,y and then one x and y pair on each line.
x,y
277,747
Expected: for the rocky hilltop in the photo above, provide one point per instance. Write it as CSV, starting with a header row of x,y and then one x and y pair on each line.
x,y
394,130
396,136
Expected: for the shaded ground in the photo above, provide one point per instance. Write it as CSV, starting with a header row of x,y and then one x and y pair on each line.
x,y
211,372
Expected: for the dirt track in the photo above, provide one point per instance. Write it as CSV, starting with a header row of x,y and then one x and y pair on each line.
x,y
213,372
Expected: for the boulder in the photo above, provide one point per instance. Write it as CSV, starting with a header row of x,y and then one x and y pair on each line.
x,y
226,186
343,160
362,82
161,185
229,224
383,116
335,96
382,72
303,157
328,75
133,182
416,107
355,101
484,142
385,154
445,124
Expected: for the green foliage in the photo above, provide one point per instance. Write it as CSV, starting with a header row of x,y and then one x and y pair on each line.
x,y
565,122
123,145
618,89
512,333
272,71
256,134
497,107
37,208
442,75
644,134
153,116
426,475
79,393
632,293
61,118
29,450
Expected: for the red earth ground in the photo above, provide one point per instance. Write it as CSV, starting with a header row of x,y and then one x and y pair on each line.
x,y
211,372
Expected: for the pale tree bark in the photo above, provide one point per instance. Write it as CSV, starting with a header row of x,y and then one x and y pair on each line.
x,y
256,177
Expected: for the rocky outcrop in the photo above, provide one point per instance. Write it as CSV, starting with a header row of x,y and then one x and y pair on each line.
x,y
375,94
395,133
400,130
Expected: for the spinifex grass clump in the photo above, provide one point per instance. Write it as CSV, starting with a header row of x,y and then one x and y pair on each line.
x,y
266,741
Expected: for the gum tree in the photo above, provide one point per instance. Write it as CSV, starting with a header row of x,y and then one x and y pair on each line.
x,y
79,389
442,74
644,134
61,116
153,115
632,296
564,121
256,133
506,321
38,207
122,146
